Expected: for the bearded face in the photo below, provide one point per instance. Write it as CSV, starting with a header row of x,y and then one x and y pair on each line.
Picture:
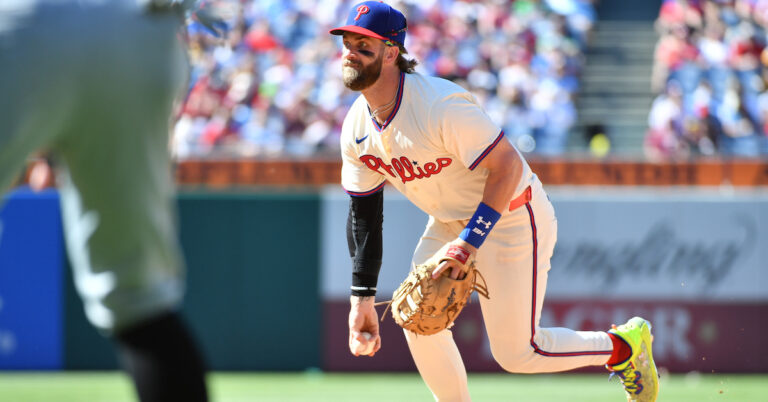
x,y
358,77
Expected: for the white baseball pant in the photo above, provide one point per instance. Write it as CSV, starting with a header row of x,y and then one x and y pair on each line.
x,y
515,261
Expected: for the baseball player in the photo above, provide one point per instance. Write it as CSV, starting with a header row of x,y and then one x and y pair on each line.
x,y
429,139
93,82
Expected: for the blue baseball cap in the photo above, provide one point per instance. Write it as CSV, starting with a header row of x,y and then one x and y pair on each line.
x,y
377,20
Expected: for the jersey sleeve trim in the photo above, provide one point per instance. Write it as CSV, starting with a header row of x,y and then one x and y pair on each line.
x,y
366,193
487,151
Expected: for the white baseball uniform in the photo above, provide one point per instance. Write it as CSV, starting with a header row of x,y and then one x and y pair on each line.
x,y
430,149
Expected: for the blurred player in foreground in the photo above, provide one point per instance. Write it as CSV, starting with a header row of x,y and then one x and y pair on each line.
x,y
431,141
93,83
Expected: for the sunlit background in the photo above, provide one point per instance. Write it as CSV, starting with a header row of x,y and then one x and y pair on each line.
x,y
646,121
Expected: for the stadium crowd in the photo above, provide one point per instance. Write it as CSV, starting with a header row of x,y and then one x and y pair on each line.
x,y
711,76
272,86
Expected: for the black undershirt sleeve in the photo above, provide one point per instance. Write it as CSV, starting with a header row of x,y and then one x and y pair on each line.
x,y
364,224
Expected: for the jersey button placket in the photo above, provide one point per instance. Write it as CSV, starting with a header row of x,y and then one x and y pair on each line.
x,y
386,141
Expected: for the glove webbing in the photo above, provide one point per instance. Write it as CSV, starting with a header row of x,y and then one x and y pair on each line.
x,y
481,290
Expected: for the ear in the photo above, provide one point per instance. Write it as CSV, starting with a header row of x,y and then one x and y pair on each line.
x,y
391,53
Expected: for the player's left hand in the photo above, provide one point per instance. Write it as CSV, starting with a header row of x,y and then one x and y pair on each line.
x,y
456,269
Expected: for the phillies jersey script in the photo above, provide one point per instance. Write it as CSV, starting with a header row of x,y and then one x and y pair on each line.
x,y
429,148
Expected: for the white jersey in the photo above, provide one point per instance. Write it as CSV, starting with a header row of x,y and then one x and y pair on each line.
x,y
428,149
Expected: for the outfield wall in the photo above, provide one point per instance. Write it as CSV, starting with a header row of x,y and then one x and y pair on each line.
x,y
693,261
269,276
253,297
214,173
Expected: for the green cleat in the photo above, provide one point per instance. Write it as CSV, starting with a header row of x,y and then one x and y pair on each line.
x,y
638,373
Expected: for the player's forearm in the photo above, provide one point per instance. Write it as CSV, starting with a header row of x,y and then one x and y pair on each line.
x,y
358,301
364,238
500,188
501,184
504,173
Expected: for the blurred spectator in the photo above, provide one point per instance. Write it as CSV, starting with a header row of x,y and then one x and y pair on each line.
x,y
273,86
711,65
665,122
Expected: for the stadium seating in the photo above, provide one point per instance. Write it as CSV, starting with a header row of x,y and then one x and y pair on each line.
x,y
272,87
710,75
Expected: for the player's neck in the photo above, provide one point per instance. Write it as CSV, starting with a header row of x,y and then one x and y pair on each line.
x,y
382,93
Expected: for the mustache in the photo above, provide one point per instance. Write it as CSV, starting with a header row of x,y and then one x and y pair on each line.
x,y
349,63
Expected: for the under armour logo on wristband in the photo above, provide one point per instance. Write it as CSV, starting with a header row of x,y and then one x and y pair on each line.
x,y
362,10
474,233
480,221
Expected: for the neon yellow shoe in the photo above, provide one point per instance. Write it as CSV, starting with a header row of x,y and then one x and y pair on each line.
x,y
638,373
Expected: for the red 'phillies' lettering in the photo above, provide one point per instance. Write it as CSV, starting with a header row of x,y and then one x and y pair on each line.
x,y
403,168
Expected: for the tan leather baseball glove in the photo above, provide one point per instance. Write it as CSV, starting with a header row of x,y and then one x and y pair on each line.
x,y
427,306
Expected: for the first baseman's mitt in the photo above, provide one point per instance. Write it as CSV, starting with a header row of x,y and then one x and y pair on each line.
x,y
426,306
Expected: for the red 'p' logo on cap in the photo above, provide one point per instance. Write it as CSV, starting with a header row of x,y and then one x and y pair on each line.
x,y
363,9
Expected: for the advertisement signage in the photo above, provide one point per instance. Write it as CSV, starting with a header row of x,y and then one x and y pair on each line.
x,y
691,261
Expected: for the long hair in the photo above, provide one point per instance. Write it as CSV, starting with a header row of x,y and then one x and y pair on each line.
x,y
405,65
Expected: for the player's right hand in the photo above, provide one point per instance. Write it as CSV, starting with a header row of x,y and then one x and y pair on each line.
x,y
363,318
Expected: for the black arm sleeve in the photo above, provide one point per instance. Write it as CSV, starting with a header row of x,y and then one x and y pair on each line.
x,y
364,223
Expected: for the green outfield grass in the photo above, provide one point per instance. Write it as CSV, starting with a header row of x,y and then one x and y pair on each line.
x,y
316,386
